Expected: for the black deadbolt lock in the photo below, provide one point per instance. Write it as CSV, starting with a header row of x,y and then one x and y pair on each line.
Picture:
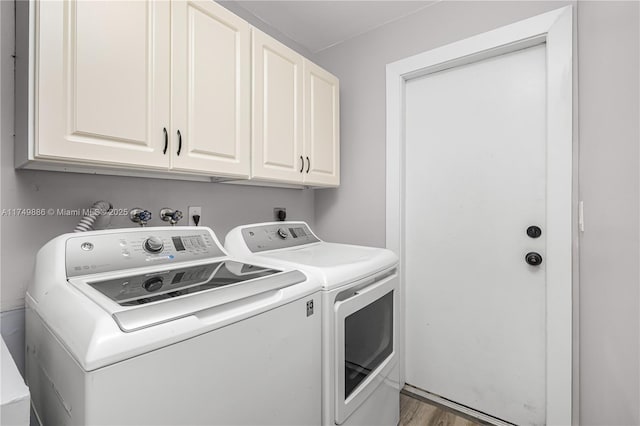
x,y
533,258
534,231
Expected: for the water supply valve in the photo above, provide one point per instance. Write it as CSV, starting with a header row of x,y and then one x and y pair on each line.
x,y
140,216
170,215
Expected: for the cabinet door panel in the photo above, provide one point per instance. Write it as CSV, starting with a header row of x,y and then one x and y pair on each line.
x,y
211,89
103,95
322,127
277,113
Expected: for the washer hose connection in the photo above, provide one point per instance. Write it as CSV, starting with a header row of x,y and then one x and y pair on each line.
x,y
99,208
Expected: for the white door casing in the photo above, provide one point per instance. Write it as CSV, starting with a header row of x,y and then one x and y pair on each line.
x,y
210,89
555,30
112,88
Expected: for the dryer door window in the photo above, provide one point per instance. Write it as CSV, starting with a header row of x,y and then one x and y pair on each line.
x,y
368,341
365,321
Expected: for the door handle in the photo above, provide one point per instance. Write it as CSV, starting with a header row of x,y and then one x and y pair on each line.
x,y
179,142
166,140
301,164
533,258
308,164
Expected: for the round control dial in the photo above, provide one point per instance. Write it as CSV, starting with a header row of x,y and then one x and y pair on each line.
x,y
153,284
282,233
153,245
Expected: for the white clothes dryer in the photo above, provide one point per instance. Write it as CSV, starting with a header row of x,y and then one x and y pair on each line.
x,y
160,326
360,298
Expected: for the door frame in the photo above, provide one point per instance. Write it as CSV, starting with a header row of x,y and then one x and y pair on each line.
x,y
555,29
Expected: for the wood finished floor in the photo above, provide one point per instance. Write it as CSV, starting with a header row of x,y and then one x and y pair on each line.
x,y
414,412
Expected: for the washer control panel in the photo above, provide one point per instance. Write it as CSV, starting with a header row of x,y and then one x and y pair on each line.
x,y
92,254
276,236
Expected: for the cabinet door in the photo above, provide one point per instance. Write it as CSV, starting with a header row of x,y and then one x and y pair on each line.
x,y
321,126
102,82
211,85
277,111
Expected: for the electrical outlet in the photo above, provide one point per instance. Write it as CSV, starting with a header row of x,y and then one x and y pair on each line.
x,y
195,211
279,213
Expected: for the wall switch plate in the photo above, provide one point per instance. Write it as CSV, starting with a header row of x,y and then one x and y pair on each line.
x,y
279,214
195,211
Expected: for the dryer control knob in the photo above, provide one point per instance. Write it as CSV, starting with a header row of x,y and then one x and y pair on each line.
x,y
153,245
282,233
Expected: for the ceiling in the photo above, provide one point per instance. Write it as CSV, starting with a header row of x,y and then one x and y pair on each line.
x,y
317,25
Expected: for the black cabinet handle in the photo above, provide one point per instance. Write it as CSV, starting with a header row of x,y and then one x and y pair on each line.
x,y
301,164
179,142
166,140
308,164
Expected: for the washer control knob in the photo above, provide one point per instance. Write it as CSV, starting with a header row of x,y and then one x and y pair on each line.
x,y
153,245
282,233
153,284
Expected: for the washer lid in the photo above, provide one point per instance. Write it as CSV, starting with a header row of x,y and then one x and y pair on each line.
x,y
144,300
134,290
157,313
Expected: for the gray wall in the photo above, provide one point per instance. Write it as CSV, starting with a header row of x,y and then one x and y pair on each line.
x,y
223,206
608,55
608,51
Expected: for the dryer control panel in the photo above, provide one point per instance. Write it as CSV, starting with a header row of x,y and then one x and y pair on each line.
x,y
277,235
95,253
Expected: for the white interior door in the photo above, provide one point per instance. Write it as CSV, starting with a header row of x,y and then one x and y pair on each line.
x,y
475,181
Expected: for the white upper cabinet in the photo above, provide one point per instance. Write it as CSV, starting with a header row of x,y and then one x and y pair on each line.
x,y
277,126
211,89
102,73
321,126
295,120
178,88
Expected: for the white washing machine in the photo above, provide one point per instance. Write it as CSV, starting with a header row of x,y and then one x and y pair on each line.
x,y
360,300
159,326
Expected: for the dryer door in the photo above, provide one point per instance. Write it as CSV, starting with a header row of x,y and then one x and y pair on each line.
x,y
366,339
